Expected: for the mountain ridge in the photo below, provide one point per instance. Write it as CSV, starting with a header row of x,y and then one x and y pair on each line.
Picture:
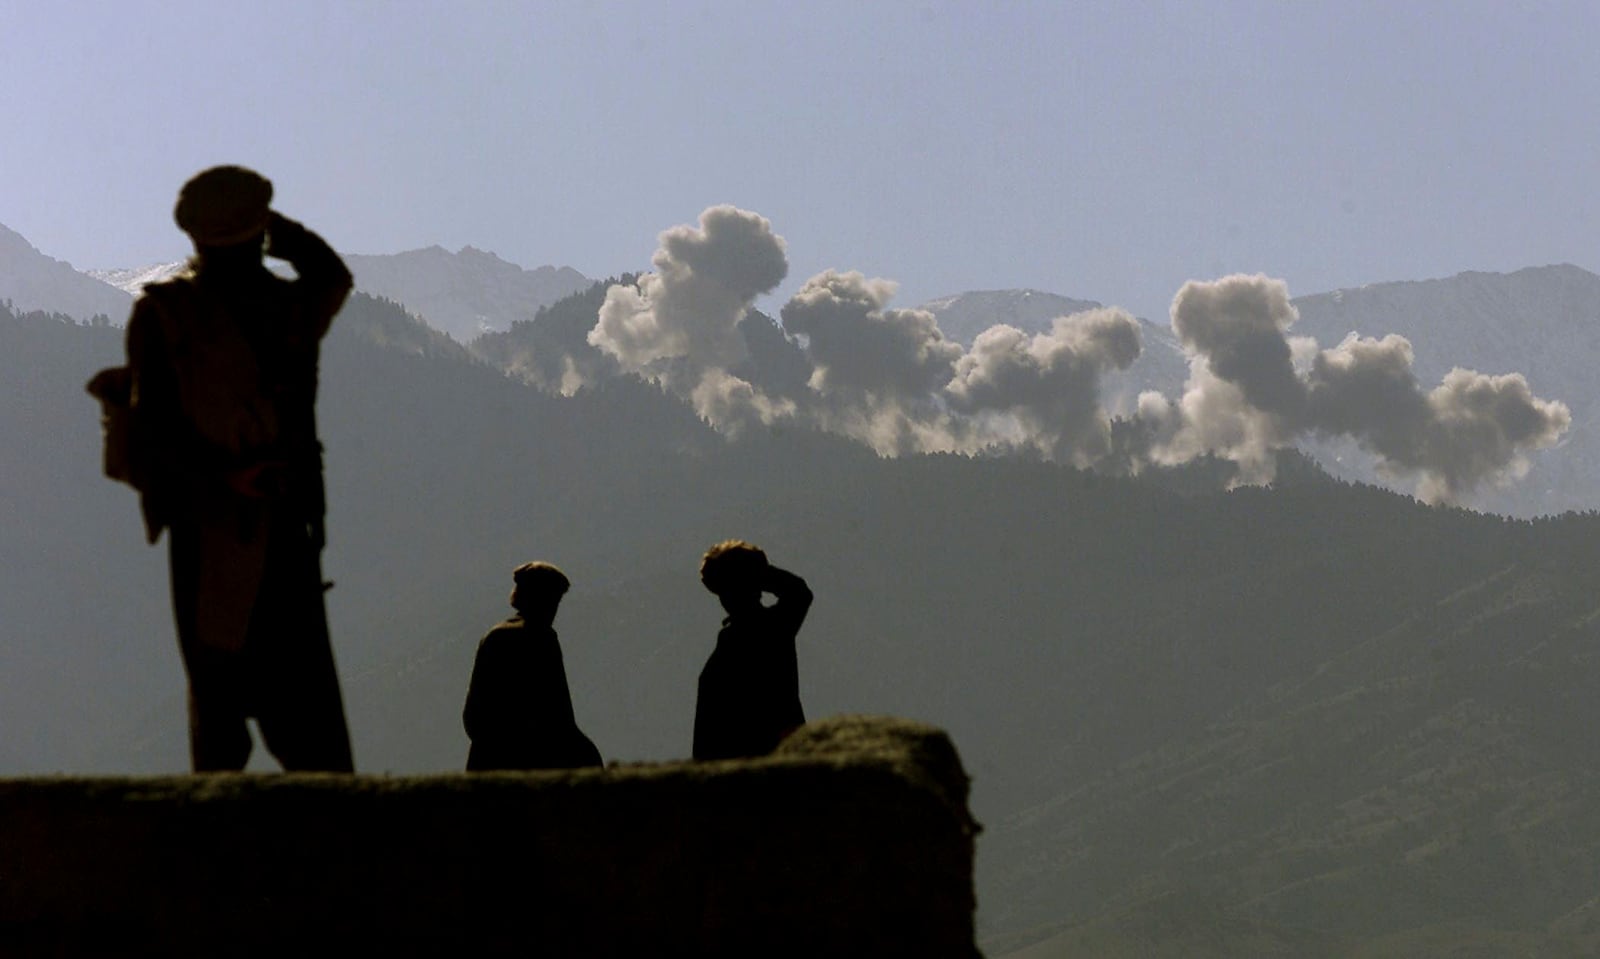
x,y
31,281
462,294
466,293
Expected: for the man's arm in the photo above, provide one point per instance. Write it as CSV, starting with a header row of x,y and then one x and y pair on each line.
x,y
481,715
794,596
322,275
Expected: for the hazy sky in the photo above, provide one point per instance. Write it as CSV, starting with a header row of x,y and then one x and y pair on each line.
x,y
1101,150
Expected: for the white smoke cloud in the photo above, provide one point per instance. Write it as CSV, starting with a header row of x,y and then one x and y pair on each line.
x,y
679,325
1246,398
732,404
1214,417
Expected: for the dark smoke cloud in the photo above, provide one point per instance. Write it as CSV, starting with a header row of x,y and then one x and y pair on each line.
x,y
1048,384
876,371
1469,430
1245,399
1238,324
859,345
890,378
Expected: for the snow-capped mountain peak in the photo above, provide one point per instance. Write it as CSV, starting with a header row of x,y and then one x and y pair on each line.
x,y
136,279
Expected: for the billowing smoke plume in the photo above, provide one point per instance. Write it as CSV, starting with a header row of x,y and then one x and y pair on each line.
x,y
679,325
877,371
1245,398
1045,388
860,346
889,378
1469,430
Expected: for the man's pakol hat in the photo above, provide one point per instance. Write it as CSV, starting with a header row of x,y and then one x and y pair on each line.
x,y
540,579
224,205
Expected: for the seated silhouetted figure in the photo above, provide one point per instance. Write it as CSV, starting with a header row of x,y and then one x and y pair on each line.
x,y
519,710
749,696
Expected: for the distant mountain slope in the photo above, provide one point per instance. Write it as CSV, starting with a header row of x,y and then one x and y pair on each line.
x,y
34,281
463,294
1438,769
134,280
1543,322
551,350
1536,320
68,537
380,322
466,293
963,316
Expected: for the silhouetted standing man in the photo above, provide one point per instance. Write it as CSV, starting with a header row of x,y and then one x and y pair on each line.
x,y
749,695
223,367
519,709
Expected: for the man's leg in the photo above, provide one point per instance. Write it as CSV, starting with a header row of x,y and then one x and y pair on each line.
x,y
299,707
219,740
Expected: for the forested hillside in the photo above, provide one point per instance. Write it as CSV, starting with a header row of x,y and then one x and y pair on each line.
x,y
1315,707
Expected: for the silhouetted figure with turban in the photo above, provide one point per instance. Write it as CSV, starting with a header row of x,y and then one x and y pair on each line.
x,y
519,709
222,365
749,695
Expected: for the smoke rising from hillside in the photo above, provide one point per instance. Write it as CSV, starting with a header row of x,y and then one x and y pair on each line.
x,y
876,371
858,345
1245,398
1238,323
1048,385
889,378
679,325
